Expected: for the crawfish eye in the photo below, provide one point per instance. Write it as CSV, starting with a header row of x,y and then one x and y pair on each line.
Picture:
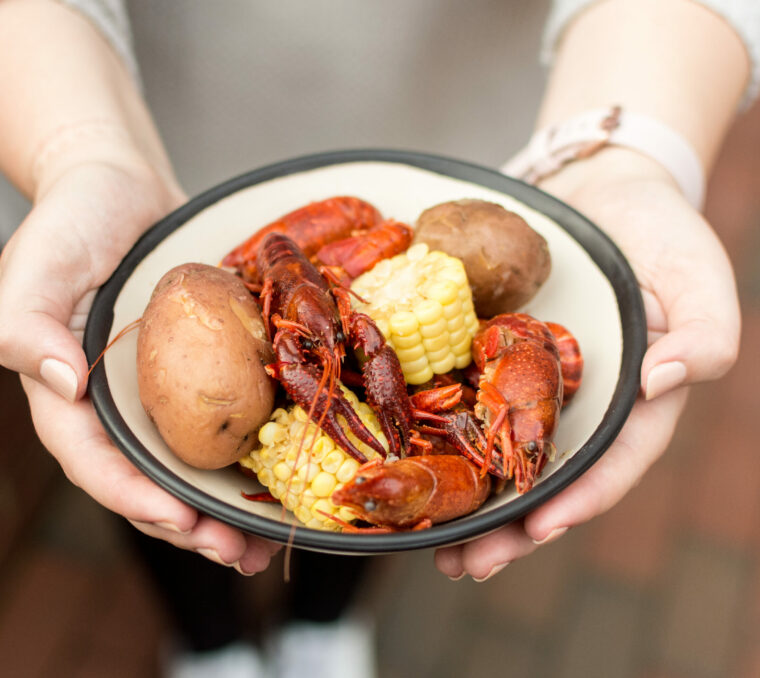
x,y
359,480
340,337
531,446
307,344
370,505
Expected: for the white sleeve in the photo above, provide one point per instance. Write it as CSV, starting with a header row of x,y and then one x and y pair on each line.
x,y
742,15
111,19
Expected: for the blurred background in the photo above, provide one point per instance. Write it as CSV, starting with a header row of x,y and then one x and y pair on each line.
x,y
665,585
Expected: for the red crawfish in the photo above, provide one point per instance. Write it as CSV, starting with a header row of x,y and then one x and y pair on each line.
x,y
521,391
310,331
341,231
413,493
521,387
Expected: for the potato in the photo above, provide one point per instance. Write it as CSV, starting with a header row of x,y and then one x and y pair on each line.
x,y
201,353
505,259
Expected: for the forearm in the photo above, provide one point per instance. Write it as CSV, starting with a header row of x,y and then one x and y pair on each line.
x,y
673,60
67,99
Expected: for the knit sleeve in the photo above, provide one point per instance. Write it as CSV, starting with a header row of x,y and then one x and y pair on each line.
x,y
742,15
111,19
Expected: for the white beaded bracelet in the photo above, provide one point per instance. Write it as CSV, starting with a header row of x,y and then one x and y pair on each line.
x,y
583,135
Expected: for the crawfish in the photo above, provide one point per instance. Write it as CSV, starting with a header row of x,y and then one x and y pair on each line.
x,y
413,493
308,320
316,225
521,374
520,392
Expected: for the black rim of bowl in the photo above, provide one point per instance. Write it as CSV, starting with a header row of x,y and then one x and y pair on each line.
x,y
599,247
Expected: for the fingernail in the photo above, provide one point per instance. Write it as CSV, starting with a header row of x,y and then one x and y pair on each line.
x,y
556,533
494,570
171,526
457,578
212,554
237,566
60,377
664,377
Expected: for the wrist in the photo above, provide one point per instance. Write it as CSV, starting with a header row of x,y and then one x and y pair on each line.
x,y
97,141
610,166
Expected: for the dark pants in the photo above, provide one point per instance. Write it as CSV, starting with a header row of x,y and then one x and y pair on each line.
x,y
204,599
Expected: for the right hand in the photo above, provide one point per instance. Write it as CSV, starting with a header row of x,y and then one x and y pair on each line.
x,y
78,231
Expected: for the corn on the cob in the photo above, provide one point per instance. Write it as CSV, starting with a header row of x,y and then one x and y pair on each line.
x,y
301,465
422,303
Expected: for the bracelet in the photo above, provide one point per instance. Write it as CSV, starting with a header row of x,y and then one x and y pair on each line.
x,y
581,136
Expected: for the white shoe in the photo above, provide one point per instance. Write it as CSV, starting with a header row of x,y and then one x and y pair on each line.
x,y
237,660
341,649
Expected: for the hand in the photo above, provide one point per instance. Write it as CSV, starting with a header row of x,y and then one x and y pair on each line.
x,y
693,321
78,231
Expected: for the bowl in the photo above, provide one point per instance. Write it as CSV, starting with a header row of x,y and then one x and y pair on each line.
x,y
591,290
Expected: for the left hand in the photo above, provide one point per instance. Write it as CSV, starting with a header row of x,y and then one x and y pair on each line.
x,y
693,321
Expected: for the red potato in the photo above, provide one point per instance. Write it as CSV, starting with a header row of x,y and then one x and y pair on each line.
x,y
201,353
505,259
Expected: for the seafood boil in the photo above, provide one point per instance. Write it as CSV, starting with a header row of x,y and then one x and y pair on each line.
x,y
399,401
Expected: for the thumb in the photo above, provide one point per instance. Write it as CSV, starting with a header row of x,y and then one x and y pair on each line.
x,y
43,302
702,338
37,343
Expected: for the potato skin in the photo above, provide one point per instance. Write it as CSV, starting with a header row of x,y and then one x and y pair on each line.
x,y
505,259
201,353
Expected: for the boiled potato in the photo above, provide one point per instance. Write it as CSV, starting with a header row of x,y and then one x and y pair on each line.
x,y
201,353
505,259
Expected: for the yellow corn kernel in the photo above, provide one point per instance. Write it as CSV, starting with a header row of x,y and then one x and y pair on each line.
x,y
347,470
323,484
414,366
444,292
445,364
404,323
420,377
428,312
408,341
435,328
408,355
433,344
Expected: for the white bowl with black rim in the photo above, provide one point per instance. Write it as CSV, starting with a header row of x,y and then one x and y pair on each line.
x,y
591,290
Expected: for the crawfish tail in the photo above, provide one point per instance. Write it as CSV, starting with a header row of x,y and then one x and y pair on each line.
x,y
311,227
570,359
359,253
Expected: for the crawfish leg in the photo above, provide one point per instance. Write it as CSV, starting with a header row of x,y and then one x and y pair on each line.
x,y
463,432
498,407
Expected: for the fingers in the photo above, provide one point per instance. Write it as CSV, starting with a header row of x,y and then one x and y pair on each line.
x,y
74,436
700,349
486,556
70,243
219,543
643,439
39,290
699,339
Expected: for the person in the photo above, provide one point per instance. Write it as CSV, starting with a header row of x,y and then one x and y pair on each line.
x,y
98,176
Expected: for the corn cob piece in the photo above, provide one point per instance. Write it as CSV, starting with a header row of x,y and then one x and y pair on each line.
x,y
422,303
301,465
